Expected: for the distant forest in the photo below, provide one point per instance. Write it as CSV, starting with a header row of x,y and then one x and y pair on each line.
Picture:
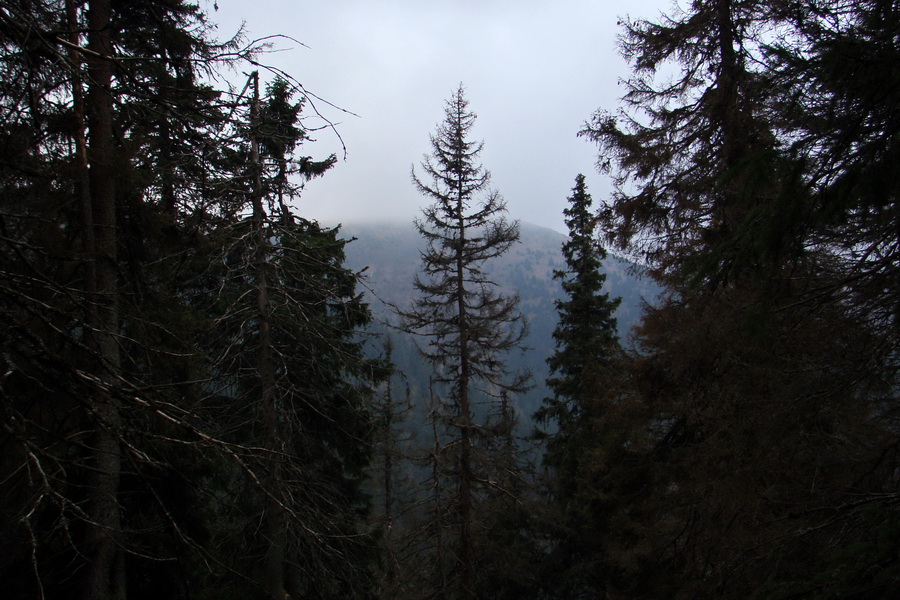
x,y
197,402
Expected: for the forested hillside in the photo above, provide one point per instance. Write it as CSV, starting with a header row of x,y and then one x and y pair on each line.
x,y
200,398
387,255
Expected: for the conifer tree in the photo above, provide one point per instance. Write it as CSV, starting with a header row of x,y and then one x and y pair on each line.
x,y
122,180
693,170
78,207
580,369
391,409
467,322
288,364
744,412
585,335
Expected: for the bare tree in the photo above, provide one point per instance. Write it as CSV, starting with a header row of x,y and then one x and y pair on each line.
x,y
467,322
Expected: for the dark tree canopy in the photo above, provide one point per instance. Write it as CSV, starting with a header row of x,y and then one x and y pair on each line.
x,y
747,182
693,154
136,442
185,397
582,367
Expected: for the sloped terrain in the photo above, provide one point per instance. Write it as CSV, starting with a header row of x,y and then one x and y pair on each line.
x,y
388,255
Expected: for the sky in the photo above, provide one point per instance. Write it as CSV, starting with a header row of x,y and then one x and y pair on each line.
x,y
534,71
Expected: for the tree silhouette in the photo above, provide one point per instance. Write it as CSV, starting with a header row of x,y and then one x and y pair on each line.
x,y
467,322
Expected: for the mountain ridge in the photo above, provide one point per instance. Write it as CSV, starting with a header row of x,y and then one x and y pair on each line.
x,y
387,254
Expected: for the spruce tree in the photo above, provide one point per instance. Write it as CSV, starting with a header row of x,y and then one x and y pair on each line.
x,y
122,179
580,369
288,368
79,209
467,322
585,334
747,181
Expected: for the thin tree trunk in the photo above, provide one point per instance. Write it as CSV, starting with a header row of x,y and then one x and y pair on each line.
x,y
388,456
466,589
275,517
441,578
88,246
104,575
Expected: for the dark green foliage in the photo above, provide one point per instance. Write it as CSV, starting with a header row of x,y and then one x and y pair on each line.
x,y
581,366
321,400
64,388
690,175
757,417
133,366
585,334
185,408
839,100
288,370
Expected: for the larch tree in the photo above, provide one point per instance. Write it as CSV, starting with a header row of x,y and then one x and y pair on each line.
x,y
467,322
690,168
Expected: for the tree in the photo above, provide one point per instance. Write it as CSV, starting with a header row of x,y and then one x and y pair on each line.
x,y
468,323
287,364
394,491
726,175
692,168
73,146
123,180
586,349
586,331
834,87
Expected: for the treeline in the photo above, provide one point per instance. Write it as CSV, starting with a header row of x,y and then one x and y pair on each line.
x,y
188,411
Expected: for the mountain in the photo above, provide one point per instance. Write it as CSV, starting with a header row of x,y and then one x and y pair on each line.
x,y
388,255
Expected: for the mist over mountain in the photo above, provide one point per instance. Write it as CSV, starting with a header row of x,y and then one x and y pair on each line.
x,y
388,254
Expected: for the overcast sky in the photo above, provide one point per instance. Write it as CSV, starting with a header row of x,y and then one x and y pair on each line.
x,y
534,71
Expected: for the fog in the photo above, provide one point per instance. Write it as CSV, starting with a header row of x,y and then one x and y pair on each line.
x,y
534,71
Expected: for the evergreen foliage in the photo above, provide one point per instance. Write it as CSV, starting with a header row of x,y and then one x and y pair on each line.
x,y
585,334
580,367
187,410
288,368
744,413
133,459
693,166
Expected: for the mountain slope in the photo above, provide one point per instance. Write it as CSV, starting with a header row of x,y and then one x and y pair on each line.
x,y
388,253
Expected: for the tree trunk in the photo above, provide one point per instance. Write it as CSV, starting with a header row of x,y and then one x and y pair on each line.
x,y
275,517
440,582
388,456
466,588
104,575
88,246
